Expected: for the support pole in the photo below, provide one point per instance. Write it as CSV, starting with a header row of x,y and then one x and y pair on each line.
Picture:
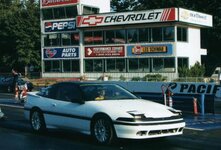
x,y
202,104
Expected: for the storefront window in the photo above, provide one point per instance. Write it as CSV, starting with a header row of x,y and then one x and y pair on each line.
x,y
75,65
169,64
94,65
98,37
133,65
143,35
182,34
90,10
144,65
88,37
120,65
52,66
183,62
156,34
132,35
47,14
163,65
157,65
168,34
66,39
115,65
52,40
66,65
120,37
71,66
88,65
59,13
111,65
71,11
110,36
75,38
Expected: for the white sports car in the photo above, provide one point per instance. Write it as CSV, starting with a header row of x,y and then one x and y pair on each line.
x,y
105,111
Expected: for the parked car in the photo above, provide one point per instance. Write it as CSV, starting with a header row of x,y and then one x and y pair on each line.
x,y
6,84
105,111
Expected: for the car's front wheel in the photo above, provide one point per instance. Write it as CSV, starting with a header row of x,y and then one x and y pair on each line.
x,y
37,121
102,130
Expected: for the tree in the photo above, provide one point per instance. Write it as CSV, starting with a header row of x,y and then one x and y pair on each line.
x,y
20,35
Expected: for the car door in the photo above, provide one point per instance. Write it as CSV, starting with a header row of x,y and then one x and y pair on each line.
x,y
66,109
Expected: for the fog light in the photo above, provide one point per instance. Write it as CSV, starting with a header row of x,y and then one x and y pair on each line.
x,y
141,133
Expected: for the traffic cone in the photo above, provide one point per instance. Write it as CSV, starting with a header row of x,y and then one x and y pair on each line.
x,y
16,93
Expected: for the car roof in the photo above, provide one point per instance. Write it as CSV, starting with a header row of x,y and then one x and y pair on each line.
x,y
85,82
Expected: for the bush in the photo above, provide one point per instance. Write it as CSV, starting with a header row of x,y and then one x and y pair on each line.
x,y
195,71
154,77
136,79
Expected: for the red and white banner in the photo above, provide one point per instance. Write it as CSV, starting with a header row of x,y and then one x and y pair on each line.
x,y
158,15
47,3
105,51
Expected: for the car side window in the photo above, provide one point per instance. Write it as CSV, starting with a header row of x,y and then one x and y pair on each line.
x,y
52,92
69,92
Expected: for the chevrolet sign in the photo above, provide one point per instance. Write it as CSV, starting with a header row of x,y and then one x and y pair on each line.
x,y
160,15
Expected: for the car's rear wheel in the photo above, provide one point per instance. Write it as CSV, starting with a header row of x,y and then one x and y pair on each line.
x,y
103,130
37,121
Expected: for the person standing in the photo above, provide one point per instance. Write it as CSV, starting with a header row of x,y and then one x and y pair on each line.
x,y
220,77
15,81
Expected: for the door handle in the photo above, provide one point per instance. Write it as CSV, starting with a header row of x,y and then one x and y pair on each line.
x,y
54,105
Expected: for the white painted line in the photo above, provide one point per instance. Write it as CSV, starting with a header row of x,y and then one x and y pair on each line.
x,y
196,129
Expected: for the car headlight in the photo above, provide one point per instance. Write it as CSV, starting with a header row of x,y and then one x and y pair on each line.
x,y
177,112
136,114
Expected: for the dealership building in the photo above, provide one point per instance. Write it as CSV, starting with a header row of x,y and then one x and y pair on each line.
x,y
83,38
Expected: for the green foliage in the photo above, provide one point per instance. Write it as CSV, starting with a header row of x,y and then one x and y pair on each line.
x,y
20,34
122,78
154,77
136,79
195,71
194,74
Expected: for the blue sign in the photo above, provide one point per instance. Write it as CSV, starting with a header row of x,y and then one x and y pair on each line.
x,y
60,26
150,50
70,52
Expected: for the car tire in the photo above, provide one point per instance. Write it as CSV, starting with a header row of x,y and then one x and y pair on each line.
x,y
102,130
37,121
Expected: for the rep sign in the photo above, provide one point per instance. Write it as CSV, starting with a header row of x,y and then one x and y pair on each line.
x,y
195,17
58,26
146,50
105,51
159,15
70,52
48,3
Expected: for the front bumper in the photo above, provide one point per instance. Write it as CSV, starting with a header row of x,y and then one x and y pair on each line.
x,y
144,130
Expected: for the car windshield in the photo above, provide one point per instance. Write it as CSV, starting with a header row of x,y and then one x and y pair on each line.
x,y
93,92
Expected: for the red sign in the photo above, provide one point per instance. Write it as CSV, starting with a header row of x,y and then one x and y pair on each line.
x,y
105,51
46,3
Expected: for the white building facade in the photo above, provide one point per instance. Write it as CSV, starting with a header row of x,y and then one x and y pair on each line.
x,y
81,39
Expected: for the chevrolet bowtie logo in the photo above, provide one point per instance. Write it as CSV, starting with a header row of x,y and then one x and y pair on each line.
x,y
92,20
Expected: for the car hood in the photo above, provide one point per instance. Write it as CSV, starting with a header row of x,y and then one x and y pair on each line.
x,y
146,107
